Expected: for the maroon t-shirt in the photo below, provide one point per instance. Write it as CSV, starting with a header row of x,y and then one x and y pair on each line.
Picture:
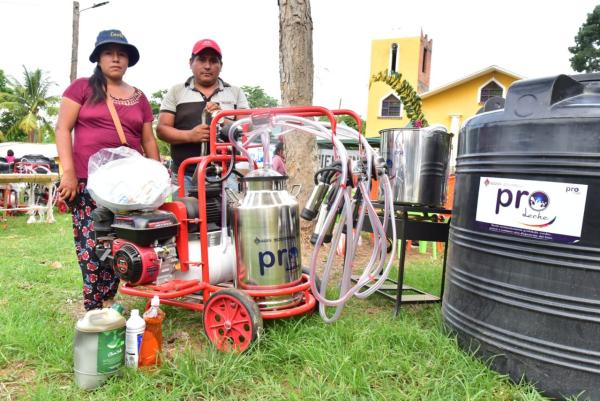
x,y
95,129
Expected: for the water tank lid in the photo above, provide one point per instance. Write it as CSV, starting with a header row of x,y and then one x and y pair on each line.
x,y
534,98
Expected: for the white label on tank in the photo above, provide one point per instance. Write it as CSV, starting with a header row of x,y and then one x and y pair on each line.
x,y
540,210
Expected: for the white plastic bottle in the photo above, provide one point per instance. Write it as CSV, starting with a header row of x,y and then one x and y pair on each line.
x,y
134,331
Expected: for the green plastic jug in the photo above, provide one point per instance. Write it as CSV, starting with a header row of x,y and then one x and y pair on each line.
x,y
99,350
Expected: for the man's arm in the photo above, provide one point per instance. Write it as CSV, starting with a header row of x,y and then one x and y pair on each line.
x,y
168,133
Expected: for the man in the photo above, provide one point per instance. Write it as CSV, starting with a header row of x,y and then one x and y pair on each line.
x,y
180,119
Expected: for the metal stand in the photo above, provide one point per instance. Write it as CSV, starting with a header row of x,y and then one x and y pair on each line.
x,y
423,227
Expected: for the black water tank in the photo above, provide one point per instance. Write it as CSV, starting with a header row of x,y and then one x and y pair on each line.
x,y
523,277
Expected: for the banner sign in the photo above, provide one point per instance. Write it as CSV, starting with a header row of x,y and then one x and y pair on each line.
x,y
540,210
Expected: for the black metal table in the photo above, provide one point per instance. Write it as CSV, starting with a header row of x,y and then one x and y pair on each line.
x,y
426,227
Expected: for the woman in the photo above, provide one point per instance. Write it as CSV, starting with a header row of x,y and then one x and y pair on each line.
x,y
84,108
278,162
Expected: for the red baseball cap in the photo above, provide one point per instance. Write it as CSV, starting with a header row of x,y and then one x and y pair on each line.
x,y
206,44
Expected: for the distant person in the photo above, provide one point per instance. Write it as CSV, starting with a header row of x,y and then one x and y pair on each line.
x,y
85,108
180,119
278,162
10,156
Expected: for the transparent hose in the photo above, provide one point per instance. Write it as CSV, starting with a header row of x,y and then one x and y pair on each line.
x,y
231,136
379,231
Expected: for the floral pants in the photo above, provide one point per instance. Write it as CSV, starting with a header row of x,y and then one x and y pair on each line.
x,y
100,282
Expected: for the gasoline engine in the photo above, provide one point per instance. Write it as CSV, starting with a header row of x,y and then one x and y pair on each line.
x,y
140,246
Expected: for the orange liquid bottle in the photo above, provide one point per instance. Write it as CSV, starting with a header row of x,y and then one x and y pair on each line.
x,y
152,341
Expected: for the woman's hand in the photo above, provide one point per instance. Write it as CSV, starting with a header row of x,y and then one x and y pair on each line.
x,y
67,189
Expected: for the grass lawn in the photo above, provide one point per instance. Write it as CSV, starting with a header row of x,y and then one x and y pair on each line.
x,y
366,355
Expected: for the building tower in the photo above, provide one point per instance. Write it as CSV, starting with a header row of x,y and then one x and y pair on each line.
x,y
410,57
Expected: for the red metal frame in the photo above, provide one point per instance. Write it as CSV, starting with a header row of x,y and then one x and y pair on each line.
x,y
168,292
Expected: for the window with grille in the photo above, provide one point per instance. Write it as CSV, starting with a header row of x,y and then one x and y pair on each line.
x,y
391,107
490,90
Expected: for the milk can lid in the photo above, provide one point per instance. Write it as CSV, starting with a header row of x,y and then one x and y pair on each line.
x,y
264,174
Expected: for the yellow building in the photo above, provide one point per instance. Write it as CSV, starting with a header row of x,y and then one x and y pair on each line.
x,y
449,105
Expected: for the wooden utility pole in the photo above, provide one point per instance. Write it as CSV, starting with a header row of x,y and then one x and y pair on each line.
x,y
296,82
75,43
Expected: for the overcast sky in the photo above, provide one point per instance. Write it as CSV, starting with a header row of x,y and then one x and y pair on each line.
x,y
527,37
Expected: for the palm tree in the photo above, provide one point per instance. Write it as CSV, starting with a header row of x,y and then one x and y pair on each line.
x,y
30,104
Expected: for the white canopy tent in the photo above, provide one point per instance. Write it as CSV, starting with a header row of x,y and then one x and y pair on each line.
x,y
23,148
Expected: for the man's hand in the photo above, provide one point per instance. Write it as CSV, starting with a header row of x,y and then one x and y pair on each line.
x,y
212,107
199,133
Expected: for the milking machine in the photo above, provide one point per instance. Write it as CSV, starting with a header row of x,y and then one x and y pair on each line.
x,y
236,256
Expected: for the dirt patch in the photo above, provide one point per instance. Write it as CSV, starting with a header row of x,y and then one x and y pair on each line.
x,y
14,379
180,341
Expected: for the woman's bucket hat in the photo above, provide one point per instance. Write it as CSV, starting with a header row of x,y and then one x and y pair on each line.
x,y
114,36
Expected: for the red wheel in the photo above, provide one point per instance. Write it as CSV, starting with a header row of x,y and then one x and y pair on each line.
x,y
232,320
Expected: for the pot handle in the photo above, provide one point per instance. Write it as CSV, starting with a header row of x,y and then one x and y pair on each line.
x,y
298,188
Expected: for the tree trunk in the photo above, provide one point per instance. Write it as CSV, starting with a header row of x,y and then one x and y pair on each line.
x,y
295,52
296,82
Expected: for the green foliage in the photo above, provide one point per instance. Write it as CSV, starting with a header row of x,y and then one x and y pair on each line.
x,y
346,120
3,83
350,122
155,101
407,94
163,147
257,98
586,52
7,120
29,106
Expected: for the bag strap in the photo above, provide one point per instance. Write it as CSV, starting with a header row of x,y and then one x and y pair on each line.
x,y
115,117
